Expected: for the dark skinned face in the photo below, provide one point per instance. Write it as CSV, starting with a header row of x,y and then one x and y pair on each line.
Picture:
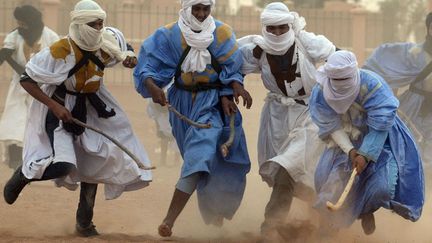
x,y
22,24
201,11
278,30
98,24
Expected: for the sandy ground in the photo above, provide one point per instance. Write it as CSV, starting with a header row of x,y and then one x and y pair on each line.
x,y
44,213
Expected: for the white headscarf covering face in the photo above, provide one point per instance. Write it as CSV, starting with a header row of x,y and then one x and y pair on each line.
x,y
276,14
86,37
340,79
199,56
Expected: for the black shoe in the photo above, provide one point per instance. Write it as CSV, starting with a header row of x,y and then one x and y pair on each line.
x,y
368,223
14,186
88,231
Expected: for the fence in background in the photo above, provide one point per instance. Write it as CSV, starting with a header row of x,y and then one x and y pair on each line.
x,y
356,30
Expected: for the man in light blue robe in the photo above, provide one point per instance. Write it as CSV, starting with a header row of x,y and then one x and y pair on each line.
x,y
400,64
202,56
355,111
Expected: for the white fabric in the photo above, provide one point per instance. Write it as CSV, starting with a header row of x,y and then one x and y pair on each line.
x,y
118,43
287,134
118,35
88,38
190,3
311,49
276,14
199,56
340,94
14,116
342,140
98,160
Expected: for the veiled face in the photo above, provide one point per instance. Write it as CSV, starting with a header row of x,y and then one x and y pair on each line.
x,y
22,24
278,29
201,11
98,24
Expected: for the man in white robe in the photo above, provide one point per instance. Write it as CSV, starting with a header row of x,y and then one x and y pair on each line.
x,y
288,144
28,38
53,146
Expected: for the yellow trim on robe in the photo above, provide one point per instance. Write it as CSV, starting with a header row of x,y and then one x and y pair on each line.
x,y
85,73
91,87
60,49
225,57
223,33
201,79
170,25
187,78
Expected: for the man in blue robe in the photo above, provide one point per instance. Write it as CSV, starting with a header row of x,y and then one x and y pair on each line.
x,y
355,111
409,65
201,55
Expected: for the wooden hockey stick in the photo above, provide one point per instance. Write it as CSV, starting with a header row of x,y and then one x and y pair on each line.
x,y
342,198
134,158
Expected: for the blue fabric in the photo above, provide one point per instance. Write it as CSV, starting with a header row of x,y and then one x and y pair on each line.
x,y
382,184
396,63
188,184
372,144
222,180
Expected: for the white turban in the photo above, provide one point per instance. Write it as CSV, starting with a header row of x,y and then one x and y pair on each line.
x,y
119,37
116,37
199,56
88,38
275,14
190,3
340,79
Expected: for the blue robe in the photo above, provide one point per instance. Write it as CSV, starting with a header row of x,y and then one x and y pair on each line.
x,y
399,64
393,178
221,189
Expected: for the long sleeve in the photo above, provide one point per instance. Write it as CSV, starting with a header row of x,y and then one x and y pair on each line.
x,y
342,140
250,63
229,57
372,144
155,61
317,47
380,103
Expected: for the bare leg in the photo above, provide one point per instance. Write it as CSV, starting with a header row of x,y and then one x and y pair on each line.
x,y
177,205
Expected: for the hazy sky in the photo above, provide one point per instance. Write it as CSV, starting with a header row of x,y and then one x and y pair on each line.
x,y
369,4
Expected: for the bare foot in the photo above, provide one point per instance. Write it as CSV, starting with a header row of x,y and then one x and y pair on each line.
x,y
165,230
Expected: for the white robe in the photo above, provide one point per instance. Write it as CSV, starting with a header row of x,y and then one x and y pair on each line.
x,y
287,134
14,117
98,160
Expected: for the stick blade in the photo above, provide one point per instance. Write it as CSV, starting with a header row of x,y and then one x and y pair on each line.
x,y
332,207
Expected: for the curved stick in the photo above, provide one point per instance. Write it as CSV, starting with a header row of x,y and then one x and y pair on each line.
x,y
134,158
187,120
225,147
338,205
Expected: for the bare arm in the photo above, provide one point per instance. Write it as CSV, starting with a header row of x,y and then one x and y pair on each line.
x,y
157,94
33,89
